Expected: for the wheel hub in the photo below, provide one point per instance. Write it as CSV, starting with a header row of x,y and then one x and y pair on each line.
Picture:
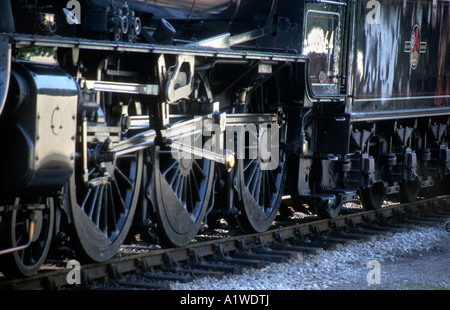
x,y
185,165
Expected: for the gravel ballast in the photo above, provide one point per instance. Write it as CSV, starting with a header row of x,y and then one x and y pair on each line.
x,y
417,259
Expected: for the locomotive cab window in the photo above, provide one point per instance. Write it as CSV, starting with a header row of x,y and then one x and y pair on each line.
x,y
322,44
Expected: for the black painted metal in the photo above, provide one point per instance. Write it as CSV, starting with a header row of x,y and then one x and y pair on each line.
x,y
399,55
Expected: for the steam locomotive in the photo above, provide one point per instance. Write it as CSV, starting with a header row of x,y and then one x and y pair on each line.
x,y
159,117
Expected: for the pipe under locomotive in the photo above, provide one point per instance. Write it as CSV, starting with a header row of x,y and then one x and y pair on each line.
x,y
160,117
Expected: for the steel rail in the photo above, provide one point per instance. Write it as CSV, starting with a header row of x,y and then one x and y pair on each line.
x,y
199,250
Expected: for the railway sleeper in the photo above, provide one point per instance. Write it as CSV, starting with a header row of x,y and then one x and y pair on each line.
x,y
117,278
199,263
264,248
443,213
394,223
245,262
425,221
143,284
371,232
435,212
343,240
182,278
353,233
263,256
318,236
288,253
375,227
223,257
381,225
433,217
396,226
190,270
317,245
217,267
302,240
358,228
283,244
354,236
297,248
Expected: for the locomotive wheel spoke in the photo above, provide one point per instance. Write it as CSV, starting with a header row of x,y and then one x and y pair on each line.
x,y
14,230
180,191
261,189
103,209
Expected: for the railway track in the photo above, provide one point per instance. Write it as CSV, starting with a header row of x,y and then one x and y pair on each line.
x,y
213,254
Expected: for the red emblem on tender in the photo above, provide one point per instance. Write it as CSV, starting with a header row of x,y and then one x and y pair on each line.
x,y
415,47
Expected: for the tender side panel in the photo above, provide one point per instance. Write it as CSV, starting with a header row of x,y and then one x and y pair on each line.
x,y
401,59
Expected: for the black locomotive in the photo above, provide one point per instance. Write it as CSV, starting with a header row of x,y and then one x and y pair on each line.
x,y
158,117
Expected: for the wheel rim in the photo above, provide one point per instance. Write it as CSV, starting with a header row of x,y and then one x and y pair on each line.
x,y
179,190
261,188
103,208
15,232
372,198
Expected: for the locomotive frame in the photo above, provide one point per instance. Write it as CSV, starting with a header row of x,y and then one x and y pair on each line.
x,y
132,126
